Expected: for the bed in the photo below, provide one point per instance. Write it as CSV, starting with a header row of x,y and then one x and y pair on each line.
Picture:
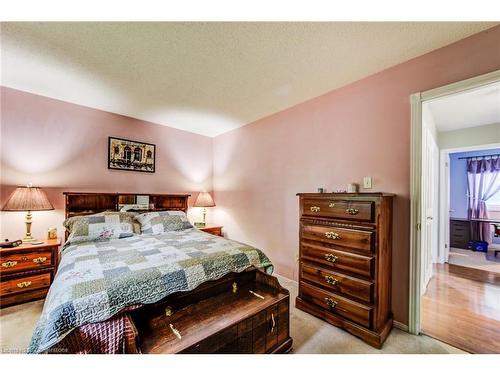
x,y
165,292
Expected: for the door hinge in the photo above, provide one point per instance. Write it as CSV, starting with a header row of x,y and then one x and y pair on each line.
x,y
445,245
446,164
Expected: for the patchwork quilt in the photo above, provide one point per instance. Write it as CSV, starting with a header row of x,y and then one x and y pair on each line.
x,y
98,279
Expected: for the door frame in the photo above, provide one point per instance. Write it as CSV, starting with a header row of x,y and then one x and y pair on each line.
x,y
416,101
444,194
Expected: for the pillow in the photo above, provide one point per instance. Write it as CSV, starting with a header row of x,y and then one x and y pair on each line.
x,y
163,221
102,226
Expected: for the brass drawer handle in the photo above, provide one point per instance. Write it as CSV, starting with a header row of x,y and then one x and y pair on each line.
x,y
39,260
352,211
331,205
315,209
24,284
9,264
332,235
330,302
331,280
175,331
331,258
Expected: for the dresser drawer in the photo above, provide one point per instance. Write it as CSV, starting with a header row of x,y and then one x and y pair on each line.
x,y
359,240
336,304
338,283
337,260
25,283
339,209
23,261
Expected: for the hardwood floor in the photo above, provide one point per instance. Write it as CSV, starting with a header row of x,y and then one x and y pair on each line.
x,y
462,312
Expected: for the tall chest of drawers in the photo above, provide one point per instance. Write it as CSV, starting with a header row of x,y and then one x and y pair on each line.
x,y
345,261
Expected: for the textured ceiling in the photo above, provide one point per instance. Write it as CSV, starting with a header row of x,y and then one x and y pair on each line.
x,y
207,78
467,109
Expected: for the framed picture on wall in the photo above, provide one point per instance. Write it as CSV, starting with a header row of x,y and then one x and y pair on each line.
x,y
127,155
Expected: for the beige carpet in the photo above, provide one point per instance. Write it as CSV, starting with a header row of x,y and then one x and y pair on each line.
x,y
474,259
311,335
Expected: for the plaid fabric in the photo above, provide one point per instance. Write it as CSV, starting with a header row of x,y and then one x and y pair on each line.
x,y
97,280
100,226
164,221
116,335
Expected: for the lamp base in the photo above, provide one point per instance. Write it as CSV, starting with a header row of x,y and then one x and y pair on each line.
x,y
30,240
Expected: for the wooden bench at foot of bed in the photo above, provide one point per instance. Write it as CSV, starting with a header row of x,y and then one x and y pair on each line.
x,y
240,313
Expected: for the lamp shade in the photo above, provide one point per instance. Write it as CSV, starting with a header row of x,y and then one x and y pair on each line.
x,y
28,199
204,199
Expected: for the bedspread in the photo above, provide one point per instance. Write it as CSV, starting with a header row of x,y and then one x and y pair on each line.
x,y
97,280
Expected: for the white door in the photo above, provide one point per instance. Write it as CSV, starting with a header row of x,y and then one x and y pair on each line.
x,y
430,204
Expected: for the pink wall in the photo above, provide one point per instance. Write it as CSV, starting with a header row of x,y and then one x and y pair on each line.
x,y
63,147
358,130
362,129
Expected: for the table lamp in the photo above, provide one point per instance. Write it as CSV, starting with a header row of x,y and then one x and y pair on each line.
x,y
28,199
204,200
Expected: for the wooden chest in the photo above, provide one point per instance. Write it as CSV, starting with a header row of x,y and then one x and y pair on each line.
x,y
345,261
240,313
27,271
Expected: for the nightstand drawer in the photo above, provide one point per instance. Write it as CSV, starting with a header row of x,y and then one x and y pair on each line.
x,y
24,261
216,231
25,283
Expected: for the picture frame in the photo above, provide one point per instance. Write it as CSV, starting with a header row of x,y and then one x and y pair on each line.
x,y
128,155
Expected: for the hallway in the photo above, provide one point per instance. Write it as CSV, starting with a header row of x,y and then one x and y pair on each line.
x,y
462,312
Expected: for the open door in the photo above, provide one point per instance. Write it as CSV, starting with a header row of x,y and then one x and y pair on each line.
x,y
430,201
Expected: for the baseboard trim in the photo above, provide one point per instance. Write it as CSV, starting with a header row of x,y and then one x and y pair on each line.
x,y
399,325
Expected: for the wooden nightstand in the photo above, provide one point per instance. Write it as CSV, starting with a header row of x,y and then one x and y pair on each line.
x,y
27,271
216,230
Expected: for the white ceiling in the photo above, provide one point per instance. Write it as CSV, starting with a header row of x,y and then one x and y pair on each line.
x,y
467,109
207,78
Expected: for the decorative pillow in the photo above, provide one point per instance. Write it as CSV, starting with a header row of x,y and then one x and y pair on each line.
x,y
163,221
102,226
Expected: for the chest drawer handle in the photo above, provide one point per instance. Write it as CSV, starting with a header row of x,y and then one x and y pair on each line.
x,y
39,260
332,235
331,280
331,205
273,322
9,264
330,302
352,211
24,284
175,331
315,209
331,258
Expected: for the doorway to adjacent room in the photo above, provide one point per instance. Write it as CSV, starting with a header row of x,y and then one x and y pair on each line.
x,y
455,262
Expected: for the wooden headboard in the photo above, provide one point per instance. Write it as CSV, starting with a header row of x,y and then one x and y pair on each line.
x,y
91,203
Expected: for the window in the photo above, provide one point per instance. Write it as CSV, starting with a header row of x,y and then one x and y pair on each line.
x,y
493,206
127,153
137,154
494,200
